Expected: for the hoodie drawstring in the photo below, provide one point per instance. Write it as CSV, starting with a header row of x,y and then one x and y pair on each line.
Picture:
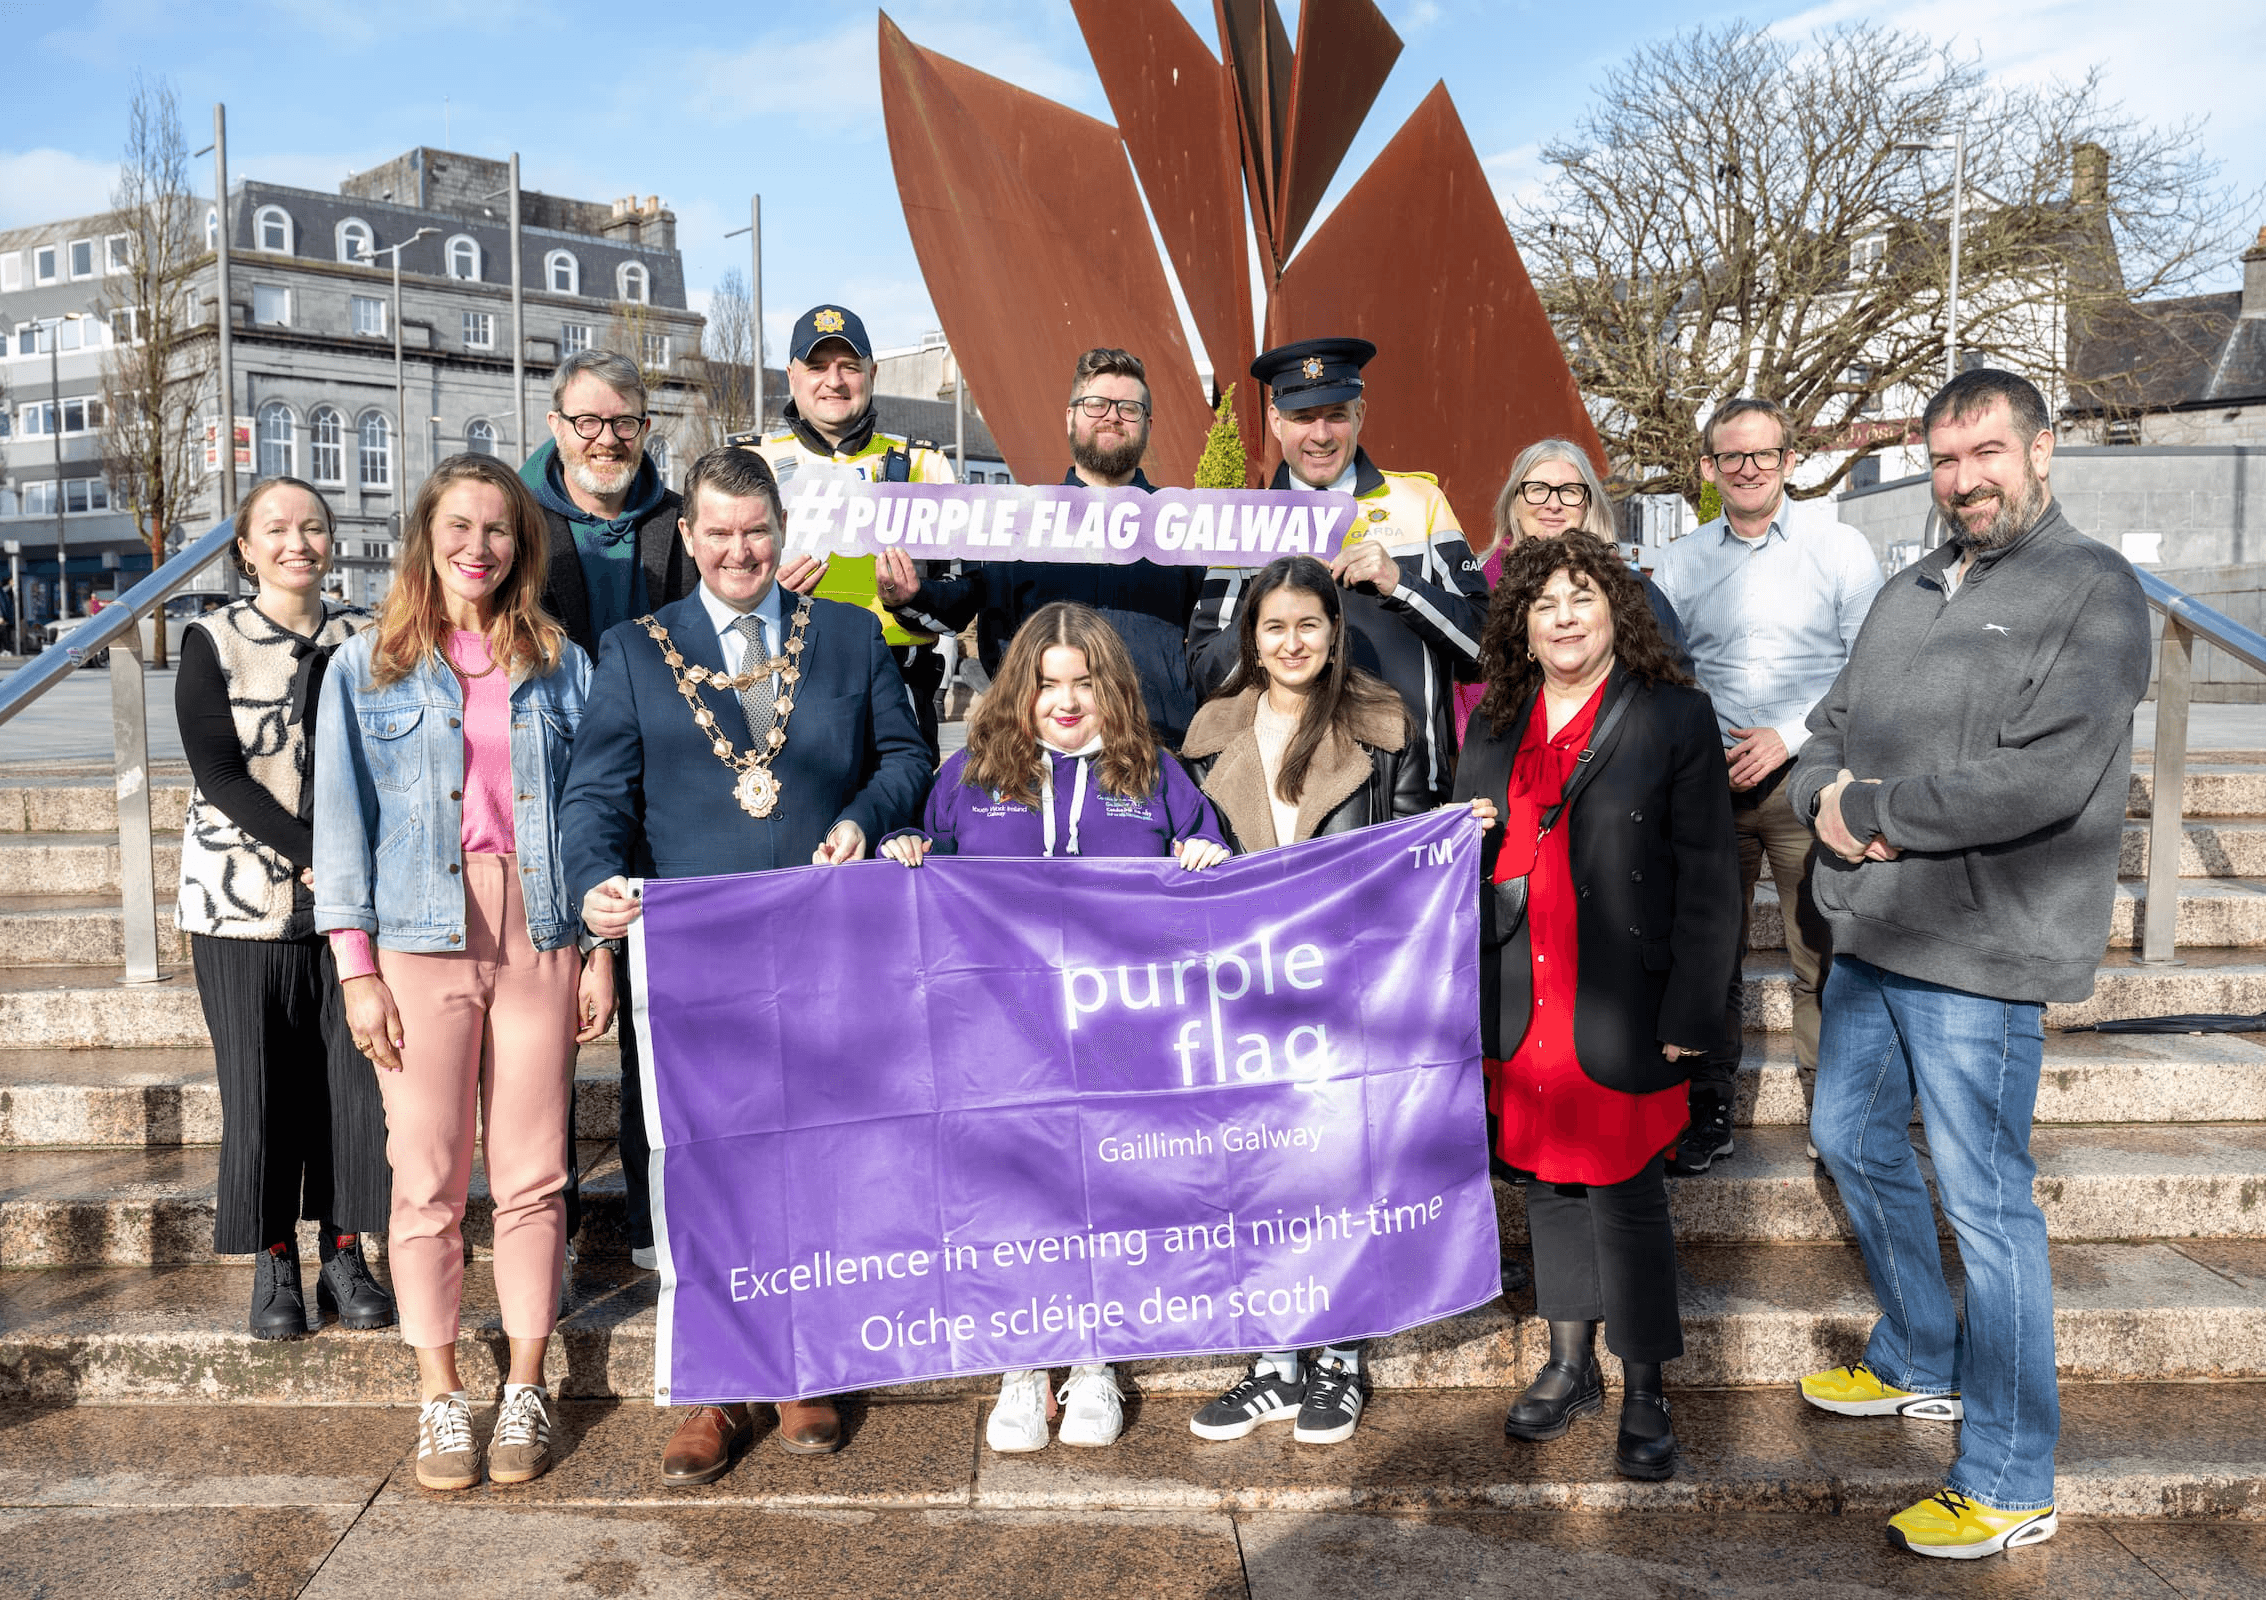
x,y
1077,794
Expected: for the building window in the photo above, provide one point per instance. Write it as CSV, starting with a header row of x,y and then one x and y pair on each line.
x,y
480,438
657,451
126,325
271,305
276,450
1866,255
82,415
632,281
355,240
1864,472
376,451
39,498
562,272
118,252
212,229
11,272
323,459
464,259
71,333
369,315
82,258
479,331
85,494
377,550
656,350
271,230
2121,430
36,420
574,338
45,262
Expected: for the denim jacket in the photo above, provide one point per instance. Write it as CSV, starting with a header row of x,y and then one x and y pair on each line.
x,y
389,828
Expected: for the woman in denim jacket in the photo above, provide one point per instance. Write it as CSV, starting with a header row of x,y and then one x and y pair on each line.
x,y
441,752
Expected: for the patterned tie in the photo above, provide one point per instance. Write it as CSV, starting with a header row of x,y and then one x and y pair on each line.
x,y
755,700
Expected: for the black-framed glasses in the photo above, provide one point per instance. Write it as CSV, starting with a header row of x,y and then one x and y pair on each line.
x,y
1762,460
1098,406
1573,496
590,426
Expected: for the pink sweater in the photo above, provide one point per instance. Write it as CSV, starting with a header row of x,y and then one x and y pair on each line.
x,y
487,779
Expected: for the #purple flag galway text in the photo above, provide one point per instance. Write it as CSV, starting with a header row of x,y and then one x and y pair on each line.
x,y
1011,1113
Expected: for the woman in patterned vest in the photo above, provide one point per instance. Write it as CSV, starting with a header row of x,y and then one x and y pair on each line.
x,y
302,1130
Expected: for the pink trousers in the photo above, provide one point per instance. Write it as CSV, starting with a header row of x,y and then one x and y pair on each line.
x,y
488,1031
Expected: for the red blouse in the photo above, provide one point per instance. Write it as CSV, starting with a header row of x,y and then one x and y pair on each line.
x,y
1555,1120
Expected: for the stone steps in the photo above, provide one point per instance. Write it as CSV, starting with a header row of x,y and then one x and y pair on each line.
x,y
2214,913
2210,847
44,930
154,1207
2205,980
82,863
2123,1312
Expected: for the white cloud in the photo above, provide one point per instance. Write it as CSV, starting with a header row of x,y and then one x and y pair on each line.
x,y
50,185
1517,174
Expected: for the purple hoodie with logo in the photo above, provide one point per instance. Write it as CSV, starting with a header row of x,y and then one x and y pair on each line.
x,y
1075,817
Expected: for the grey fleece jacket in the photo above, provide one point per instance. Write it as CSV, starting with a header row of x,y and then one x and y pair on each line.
x,y
1998,721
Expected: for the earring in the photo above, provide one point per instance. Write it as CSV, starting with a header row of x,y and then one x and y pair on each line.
x,y
1530,655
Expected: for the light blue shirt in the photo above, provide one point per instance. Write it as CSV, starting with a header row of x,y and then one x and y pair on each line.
x,y
1769,622
734,643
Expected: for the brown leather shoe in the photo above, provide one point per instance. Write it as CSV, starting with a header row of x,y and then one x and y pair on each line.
x,y
702,1448
809,1427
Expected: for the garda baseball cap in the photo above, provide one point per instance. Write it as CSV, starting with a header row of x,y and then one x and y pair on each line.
x,y
820,323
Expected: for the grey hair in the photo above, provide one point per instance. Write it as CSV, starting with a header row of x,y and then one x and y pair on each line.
x,y
1972,392
616,372
1597,517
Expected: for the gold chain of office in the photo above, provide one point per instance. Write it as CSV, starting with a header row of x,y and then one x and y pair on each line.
x,y
758,787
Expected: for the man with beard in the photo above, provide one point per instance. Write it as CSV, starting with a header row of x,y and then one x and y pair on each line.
x,y
1967,775
614,547
830,421
614,555
1148,604
1415,597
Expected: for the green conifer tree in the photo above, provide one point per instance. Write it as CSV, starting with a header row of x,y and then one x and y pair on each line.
x,y
1223,464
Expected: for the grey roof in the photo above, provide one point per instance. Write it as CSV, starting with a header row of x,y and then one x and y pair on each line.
x,y
2168,355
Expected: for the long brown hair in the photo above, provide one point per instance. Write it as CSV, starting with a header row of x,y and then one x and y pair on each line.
x,y
414,623
1003,732
1510,670
1343,696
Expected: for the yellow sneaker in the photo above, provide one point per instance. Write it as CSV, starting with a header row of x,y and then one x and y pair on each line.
x,y
1950,1524
1859,1391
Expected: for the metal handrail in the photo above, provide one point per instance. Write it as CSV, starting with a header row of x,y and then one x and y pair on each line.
x,y
117,629
2186,619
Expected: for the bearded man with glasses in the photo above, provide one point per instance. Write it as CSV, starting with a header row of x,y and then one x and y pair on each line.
x,y
1148,604
1771,605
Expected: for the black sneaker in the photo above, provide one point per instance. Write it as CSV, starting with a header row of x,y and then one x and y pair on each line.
x,y
1262,1396
279,1308
1706,1141
1333,1404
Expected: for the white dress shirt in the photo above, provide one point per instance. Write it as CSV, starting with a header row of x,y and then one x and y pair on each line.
x,y
1770,621
730,638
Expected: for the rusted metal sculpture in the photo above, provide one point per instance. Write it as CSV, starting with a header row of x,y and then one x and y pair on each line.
x,y
1035,244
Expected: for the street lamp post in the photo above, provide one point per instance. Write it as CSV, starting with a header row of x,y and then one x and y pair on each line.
x,y
224,327
754,232
518,319
400,380
55,433
1957,145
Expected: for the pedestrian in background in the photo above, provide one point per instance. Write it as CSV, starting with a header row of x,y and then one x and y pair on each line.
x,y
1771,604
302,1132
1608,932
446,737
1967,774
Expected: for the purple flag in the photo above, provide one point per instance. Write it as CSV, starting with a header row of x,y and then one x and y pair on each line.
x,y
1010,1113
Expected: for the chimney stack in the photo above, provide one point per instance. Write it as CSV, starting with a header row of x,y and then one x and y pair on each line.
x,y
2089,176
2254,278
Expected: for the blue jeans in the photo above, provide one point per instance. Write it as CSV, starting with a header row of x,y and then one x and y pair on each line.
x,y
1974,1063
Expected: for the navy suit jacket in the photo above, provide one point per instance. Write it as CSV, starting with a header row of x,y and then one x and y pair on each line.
x,y
646,795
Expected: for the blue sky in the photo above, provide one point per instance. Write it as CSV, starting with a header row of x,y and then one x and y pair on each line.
x,y
704,103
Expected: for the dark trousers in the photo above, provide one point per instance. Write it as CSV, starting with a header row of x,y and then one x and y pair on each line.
x,y
923,667
1606,1250
636,1154
302,1130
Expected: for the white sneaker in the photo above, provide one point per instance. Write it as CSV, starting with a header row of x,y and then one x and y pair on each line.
x,y
649,1258
1018,1422
1093,1407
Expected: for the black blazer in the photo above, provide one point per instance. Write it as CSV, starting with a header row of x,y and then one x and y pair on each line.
x,y
1656,872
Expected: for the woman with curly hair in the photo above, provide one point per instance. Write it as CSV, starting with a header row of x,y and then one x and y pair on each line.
x,y
1061,761
1609,918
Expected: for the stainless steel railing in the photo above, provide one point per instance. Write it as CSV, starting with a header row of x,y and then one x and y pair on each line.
x,y
117,629
2186,619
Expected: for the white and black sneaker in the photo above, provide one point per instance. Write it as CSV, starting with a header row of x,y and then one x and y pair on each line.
x,y
1264,1395
1332,1407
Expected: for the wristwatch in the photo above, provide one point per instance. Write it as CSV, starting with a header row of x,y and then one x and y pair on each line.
x,y
1817,798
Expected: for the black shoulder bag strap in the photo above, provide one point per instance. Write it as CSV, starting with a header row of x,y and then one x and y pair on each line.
x,y
1509,906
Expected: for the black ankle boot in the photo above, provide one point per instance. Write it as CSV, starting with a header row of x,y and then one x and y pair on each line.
x,y
1646,1447
346,1288
1558,1394
279,1308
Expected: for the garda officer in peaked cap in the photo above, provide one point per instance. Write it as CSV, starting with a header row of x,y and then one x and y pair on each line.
x,y
830,418
1416,598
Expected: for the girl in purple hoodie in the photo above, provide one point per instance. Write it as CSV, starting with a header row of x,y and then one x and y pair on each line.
x,y
1060,762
